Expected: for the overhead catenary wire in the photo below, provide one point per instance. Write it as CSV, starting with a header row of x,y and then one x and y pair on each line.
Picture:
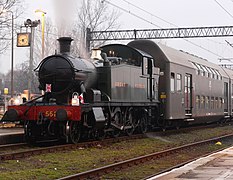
x,y
175,26
156,25
164,19
153,15
134,14
224,8
230,44
227,13
129,12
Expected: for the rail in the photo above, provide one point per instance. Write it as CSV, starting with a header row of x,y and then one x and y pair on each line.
x,y
94,173
42,150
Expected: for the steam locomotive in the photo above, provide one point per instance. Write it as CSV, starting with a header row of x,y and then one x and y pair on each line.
x,y
123,89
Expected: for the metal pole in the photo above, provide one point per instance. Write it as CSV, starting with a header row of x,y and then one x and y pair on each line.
x,y
42,13
12,57
43,24
31,63
5,103
88,39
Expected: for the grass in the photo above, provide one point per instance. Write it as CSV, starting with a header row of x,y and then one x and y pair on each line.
x,y
56,165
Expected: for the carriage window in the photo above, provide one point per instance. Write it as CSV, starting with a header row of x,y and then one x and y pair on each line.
x,y
219,75
172,82
207,102
198,102
214,75
220,103
202,102
216,103
178,82
212,103
144,66
206,71
209,72
231,97
196,68
202,73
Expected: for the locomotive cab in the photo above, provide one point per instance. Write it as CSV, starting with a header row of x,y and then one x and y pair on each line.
x,y
126,62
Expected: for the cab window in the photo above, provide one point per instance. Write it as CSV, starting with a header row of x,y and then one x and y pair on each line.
x,y
172,82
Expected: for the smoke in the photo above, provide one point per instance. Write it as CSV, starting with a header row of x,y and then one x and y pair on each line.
x,y
65,15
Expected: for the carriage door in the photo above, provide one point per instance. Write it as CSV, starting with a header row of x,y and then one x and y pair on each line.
x,y
188,94
226,97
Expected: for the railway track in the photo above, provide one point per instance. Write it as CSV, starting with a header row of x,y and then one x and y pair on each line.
x,y
29,151
98,172
11,146
22,150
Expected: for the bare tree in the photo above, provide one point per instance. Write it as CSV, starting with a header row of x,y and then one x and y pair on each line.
x,y
21,79
96,15
93,14
7,7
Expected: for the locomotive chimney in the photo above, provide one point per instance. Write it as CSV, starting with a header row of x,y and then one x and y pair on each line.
x,y
65,43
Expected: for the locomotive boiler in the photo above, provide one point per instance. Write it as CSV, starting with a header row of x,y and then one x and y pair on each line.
x,y
64,74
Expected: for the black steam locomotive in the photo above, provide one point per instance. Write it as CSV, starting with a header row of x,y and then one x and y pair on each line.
x,y
123,89
108,94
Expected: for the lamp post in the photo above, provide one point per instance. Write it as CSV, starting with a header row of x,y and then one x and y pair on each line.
x,y
39,11
12,54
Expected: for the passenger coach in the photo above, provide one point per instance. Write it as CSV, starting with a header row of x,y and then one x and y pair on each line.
x,y
191,89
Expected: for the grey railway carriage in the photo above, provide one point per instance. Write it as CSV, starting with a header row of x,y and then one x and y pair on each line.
x,y
191,89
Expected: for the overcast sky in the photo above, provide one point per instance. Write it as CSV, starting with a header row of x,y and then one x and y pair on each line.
x,y
174,13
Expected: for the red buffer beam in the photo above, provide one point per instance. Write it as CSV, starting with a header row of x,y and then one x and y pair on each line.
x,y
193,32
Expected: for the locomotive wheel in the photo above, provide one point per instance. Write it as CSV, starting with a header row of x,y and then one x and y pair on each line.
x,y
100,134
143,124
129,122
75,132
29,138
116,121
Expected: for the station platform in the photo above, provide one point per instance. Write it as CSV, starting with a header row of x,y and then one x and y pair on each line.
x,y
217,166
11,131
11,135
